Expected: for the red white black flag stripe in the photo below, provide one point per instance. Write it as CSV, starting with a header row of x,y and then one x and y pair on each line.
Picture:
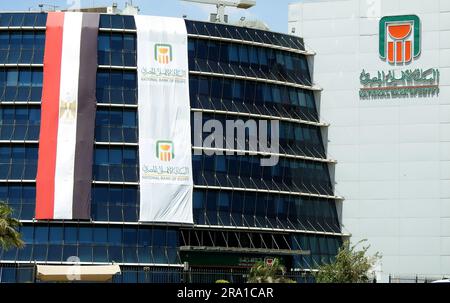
x,y
64,177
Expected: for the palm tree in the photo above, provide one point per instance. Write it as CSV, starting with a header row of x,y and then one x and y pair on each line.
x,y
268,273
9,236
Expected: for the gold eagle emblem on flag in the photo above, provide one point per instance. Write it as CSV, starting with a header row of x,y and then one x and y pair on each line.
x,y
67,110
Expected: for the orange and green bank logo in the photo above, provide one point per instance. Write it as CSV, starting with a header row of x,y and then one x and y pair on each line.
x,y
165,151
400,38
163,53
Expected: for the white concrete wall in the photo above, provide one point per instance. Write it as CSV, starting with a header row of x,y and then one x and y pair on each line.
x,y
393,155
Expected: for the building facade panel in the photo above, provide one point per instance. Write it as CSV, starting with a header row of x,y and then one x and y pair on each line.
x,y
239,206
395,181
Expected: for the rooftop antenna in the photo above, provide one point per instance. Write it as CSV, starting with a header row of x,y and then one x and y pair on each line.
x,y
221,4
51,6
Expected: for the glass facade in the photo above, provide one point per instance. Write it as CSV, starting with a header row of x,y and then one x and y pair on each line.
x,y
23,47
248,96
20,84
237,203
108,243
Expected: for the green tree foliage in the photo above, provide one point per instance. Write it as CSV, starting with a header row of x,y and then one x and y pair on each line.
x,y
265,273
350,266
9,236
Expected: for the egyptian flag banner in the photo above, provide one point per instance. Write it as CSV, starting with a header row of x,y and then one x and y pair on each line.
x,y
64,176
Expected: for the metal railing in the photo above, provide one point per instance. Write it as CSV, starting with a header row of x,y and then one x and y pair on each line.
x,y
15,273
416,278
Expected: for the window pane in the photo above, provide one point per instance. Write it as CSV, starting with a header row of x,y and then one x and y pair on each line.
x,y
25,78
115,156
70,235
12,78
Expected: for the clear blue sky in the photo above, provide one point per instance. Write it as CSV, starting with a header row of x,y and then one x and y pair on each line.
x,y
273,12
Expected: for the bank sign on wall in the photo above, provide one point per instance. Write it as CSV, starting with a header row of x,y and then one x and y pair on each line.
x,y
400,43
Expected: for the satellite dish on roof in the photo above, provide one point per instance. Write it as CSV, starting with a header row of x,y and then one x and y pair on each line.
x,y
221,4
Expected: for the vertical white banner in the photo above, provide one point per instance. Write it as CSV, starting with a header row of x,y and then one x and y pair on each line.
x,y
165,151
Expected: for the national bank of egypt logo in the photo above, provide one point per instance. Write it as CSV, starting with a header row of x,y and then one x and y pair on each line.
x,y
400,38
163,53
165,151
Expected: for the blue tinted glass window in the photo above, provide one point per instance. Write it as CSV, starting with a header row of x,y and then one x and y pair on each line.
x,y
14,193
159,237
37,78
34,115
5,154
105,21
28,194
70,235
16,40
85,235
102,117
115,117
129,236
220,164
41,19
224,200
25,78
129,118
262,56
31,153
56,235
41,234
104,42
21,114
116,42
191,47
254,55
29,20
17,19
27,233
18,153
117,21
102,79
115,236
233,53
5,19
128,22
129,156
145,237
115,156
12,78
198,200
243,53
129,80
101,156
8,275
2,79
116,79
39,40
4,40
172,238
129,42
27,39
8,114
100,235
